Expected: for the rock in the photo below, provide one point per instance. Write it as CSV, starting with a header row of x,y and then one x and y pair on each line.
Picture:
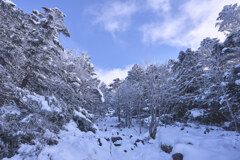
x,y
177,156
137,141
166,148
206,130
52,142
190,143
117,141
84,124
120,125
99,142
107,139
125,150
187,125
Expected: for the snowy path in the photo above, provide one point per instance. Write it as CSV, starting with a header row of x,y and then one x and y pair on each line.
x,y
190,141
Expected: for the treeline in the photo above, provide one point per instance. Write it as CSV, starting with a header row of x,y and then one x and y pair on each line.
x,y
205,82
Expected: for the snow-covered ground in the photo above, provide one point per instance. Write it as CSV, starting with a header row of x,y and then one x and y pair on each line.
x,y
189,140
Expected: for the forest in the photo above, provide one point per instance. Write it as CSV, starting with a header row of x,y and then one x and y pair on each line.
x,y
54,107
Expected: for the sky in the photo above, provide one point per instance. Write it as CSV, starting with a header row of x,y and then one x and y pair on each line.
x,y
119,33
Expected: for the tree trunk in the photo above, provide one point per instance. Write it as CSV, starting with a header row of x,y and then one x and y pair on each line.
x,y
118,109
139,118
230,110
153,127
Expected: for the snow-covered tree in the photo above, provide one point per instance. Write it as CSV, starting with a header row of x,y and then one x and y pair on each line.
x,y
188,81
42,86
136,79
115,85
229,19
225,57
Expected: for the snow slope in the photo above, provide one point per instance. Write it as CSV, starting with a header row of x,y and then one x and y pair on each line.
x,y
189,140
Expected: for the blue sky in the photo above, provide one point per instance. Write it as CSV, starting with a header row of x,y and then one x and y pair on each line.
x,y
119,33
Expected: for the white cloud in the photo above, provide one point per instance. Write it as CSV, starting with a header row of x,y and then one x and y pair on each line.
x,y
115,16
107,76
195,21
159,5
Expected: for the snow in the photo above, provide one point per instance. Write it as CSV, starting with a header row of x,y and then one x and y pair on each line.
x,y
191,142
41,100
227,124
79,114
224,83
224,49
74,145
100,92
110,112
194,144
206,68
145,109
26,119
236,66
9,2
48,134
85,113
203,97
237,82
46,103
197,112
9,110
